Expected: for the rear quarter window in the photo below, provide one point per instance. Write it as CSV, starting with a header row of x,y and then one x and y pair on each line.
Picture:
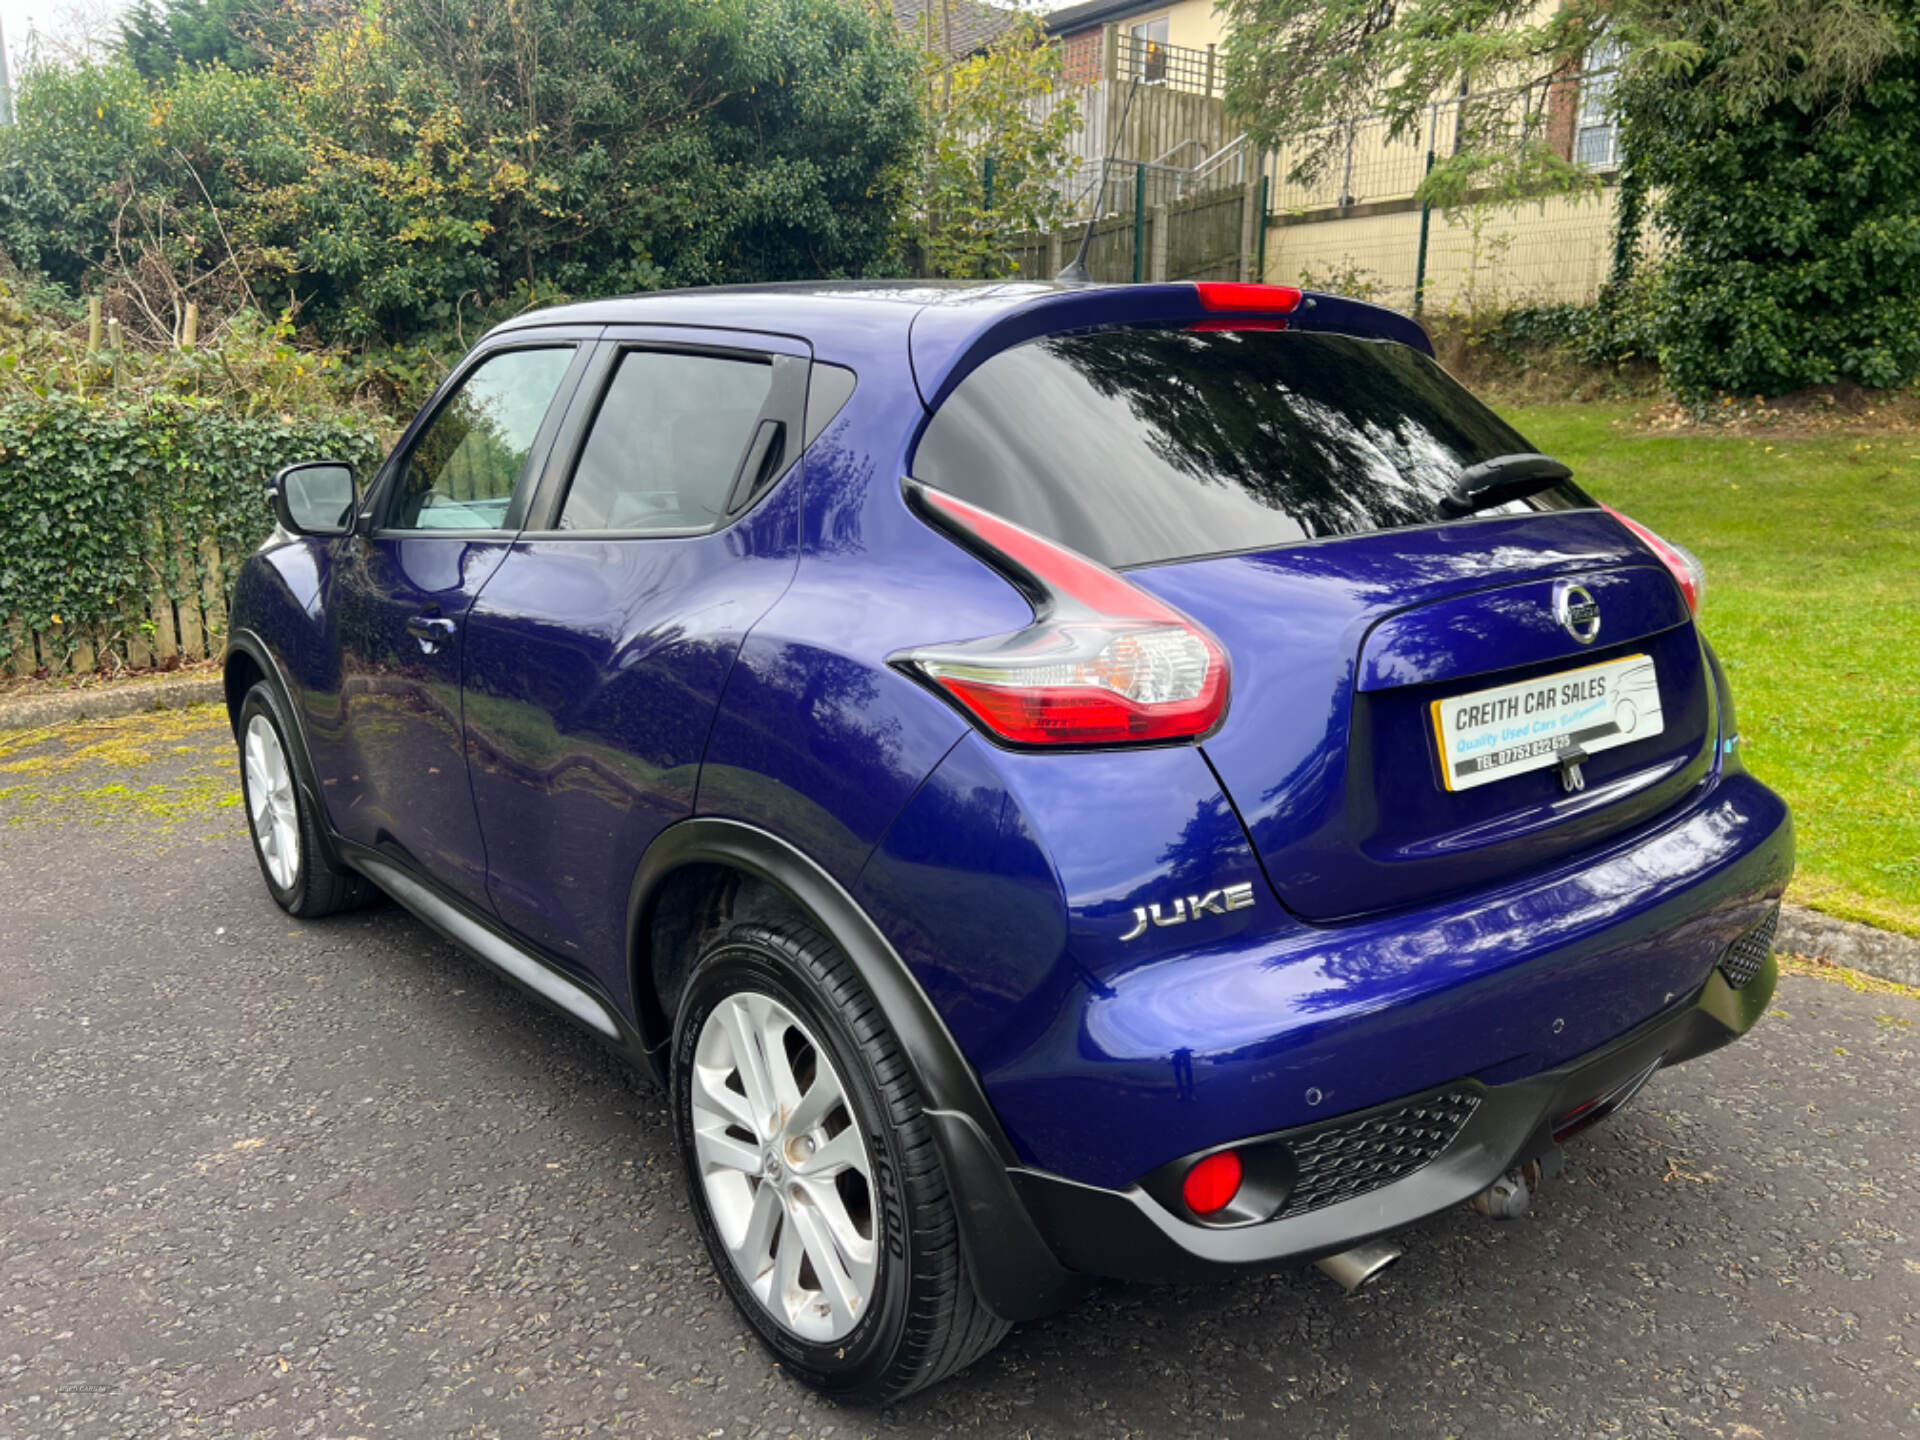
x,y
1136,446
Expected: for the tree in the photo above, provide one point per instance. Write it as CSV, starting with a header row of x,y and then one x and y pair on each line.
x,y
464,152
1295,68
999,161
101,173
1724,105
1793,225
406,169
157,40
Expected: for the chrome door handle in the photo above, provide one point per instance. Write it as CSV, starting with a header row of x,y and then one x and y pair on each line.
x,y
432,631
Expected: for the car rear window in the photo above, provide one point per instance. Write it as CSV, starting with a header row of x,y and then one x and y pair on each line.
x,y
1142,445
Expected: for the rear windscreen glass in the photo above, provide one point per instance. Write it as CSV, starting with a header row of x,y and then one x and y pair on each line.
x,y
1142,445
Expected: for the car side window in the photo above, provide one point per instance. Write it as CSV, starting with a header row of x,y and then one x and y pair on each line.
x,y
462,470
667,442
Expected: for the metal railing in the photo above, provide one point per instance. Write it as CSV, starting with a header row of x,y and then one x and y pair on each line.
x,y
1234,163
1178,67
1371,164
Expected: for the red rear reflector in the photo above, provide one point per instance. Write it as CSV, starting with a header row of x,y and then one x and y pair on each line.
x,y
1212,1183
1103,663
1684,564
1242,295
1575,1120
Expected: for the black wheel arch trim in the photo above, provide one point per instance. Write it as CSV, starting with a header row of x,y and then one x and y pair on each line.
x,y
946,1080
1015,1271
248,642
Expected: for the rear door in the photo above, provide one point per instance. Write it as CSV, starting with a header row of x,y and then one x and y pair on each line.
x,y
445,508
666,524
1283,489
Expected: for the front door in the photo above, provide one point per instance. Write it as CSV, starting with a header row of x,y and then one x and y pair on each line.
x,y
443,514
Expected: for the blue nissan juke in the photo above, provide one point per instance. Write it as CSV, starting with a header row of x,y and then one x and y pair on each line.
x,y
1056,780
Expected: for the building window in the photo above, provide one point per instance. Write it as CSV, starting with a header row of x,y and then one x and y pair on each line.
x,y
1150,49
1596,136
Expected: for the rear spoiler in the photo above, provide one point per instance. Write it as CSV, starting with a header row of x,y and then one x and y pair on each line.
x,y
948,341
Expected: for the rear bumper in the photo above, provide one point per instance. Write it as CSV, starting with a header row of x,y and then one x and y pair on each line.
x,y
1287,1024
1546,996
1129,1235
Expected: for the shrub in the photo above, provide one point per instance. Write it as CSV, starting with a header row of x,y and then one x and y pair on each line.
x,y
1796,231
1615,330
997,164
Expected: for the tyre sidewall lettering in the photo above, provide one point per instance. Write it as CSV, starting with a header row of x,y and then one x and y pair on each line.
x,y
892,1220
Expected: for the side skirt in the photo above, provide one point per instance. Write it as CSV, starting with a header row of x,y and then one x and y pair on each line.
x,y
578,1000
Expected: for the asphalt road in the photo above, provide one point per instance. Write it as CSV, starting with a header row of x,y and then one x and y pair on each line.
x,y
266,1178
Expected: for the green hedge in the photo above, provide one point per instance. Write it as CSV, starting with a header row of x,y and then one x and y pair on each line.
x,y
1794,254
107,506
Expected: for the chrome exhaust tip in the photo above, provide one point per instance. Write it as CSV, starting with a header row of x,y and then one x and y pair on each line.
x,y
1359,1267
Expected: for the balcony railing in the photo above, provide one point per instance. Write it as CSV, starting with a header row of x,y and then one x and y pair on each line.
x,y
1178,67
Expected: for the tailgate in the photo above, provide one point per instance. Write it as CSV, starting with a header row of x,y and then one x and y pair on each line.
x,y
1347,653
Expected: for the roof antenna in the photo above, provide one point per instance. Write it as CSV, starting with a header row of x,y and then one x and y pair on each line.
x,y
1076,268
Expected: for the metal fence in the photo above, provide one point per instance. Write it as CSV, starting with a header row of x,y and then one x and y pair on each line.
x,y
1209,236
1354,225
1368,163
1480,260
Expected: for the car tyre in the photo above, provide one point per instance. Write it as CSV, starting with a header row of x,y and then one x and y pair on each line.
x,y
285,831
832,1082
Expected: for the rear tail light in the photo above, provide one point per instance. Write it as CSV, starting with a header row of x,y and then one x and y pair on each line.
x,y
1103,663
1684,564
1212,1182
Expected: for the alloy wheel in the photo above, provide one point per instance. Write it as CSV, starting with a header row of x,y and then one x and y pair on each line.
x,y
788,1176
270,803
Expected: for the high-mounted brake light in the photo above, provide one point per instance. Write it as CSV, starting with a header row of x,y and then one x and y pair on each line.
x,y
1244,295
1103,663
1684,564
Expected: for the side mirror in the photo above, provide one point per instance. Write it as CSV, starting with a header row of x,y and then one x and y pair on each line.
x,y
317,497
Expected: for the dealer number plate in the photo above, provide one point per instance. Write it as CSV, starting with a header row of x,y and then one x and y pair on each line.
x,y
1491,734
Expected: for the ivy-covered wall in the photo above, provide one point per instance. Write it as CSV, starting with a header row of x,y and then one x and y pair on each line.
x,y
122,522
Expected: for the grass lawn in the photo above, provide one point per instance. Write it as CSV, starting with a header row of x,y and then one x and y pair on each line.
x,y
1812,549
